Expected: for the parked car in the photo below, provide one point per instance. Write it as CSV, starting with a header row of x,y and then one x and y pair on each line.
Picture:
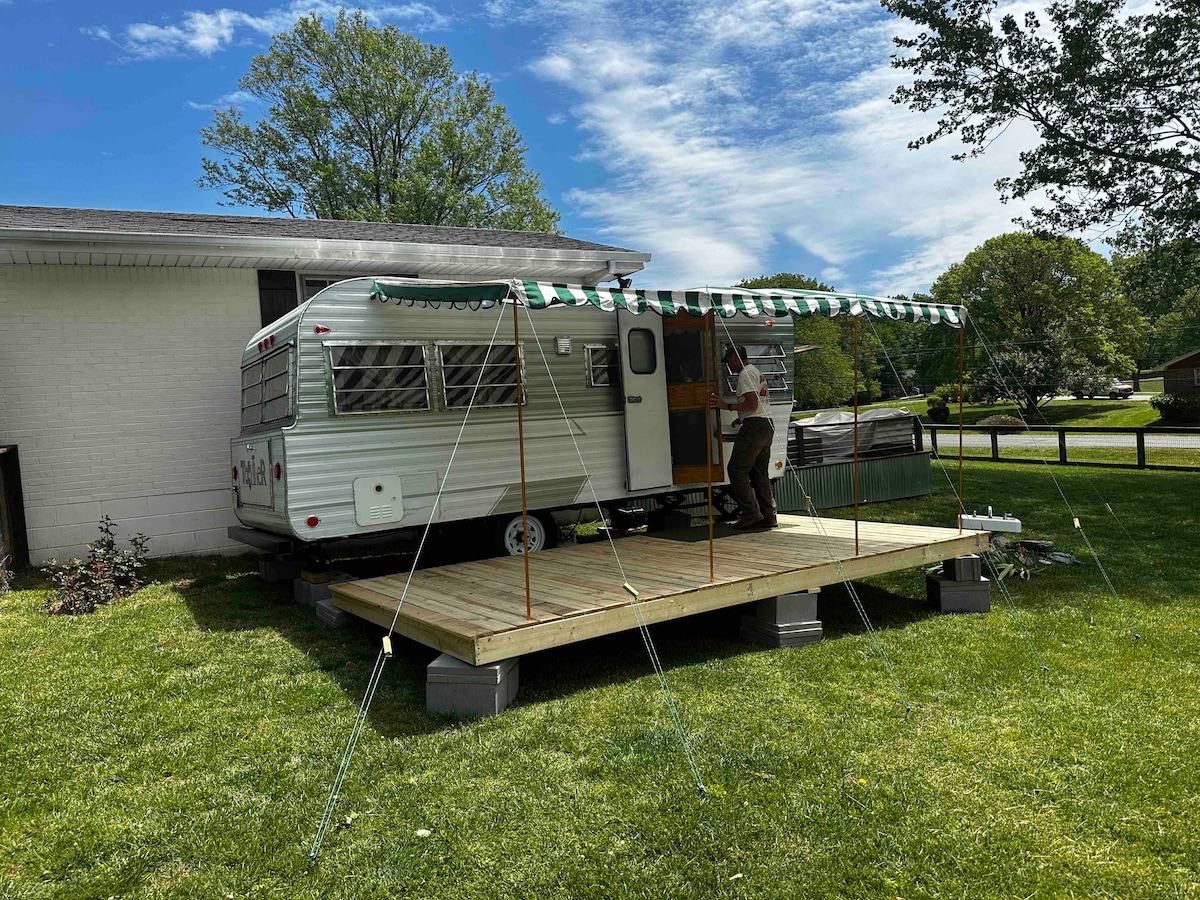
x,y
1120,390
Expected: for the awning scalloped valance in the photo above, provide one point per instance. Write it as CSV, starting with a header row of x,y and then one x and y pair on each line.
x,y
725,302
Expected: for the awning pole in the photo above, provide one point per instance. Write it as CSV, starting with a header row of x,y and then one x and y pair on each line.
x,y
961,508
855,320
709,346
521,446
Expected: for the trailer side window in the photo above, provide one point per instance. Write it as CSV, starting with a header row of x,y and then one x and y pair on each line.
x,y
369,378
603,369
494,370
266,389
772,362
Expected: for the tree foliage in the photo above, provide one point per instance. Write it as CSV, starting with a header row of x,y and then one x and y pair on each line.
x,y
1114,98
1044,309
1163,281
372,124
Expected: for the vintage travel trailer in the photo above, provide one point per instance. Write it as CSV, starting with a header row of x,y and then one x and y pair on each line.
x,y
353,402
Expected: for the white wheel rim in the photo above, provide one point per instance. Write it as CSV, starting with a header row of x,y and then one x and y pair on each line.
x,y
514,543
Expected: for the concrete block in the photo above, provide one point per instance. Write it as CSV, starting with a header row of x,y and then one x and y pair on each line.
x,y
330,615
789,620
963,568
946,595
453,686
789,608
311,594
273,571
771,634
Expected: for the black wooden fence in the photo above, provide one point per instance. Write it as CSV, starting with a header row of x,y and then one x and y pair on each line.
x,y
1176,449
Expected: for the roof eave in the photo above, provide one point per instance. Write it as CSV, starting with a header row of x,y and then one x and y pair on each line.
x,y
321,249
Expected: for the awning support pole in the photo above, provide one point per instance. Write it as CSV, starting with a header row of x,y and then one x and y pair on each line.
x,y
855,321
709,347
961,507
521,446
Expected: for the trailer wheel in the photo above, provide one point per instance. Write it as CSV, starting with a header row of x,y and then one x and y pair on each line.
x,y
543,534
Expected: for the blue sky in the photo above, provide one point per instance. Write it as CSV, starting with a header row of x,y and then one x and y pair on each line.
x,y
728,139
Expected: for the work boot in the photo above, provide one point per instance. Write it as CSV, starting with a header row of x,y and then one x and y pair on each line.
x,y
769,522
750,520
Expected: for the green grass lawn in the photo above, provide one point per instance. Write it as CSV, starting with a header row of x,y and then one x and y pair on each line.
x,y
181,743
1103,413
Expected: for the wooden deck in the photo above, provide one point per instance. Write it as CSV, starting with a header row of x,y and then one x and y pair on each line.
x,y
476,610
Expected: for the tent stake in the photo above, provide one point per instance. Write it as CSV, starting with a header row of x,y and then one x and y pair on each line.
x,y
521,446
855,321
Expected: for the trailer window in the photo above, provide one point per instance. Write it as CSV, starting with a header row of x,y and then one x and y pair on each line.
x,y
603,369
494,370
266,389
370,378
772,362
642,357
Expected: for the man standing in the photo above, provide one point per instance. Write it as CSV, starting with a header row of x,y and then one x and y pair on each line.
x,y
749,481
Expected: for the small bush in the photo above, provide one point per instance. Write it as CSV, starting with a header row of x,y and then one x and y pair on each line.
x,y
1005,424
108,574
1178,409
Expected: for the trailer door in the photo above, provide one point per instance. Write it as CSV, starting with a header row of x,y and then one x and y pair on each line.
x,y
644,390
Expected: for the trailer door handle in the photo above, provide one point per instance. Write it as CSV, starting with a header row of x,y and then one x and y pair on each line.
x,y
633,399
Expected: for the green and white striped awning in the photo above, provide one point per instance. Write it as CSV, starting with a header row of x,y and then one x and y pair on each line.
x,y
725,302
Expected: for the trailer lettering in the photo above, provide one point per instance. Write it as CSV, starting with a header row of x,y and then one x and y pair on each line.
x,y
254,474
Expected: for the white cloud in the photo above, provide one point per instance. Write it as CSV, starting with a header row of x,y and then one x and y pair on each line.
x,y
206,33
731,134
234,99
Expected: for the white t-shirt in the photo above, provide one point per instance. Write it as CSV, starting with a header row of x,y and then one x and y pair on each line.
x,y
751,381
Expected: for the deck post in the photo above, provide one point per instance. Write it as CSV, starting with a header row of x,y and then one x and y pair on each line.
x,y
856,437
521,448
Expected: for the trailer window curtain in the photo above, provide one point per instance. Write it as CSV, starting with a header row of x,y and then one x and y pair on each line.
x,y
494,370
266,389
369,378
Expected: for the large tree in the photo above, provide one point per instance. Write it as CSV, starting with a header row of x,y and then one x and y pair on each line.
x,y
1163,281
372,124
1114,99
1042,309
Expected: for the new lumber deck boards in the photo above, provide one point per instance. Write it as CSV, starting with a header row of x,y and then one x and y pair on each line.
x,y
476,610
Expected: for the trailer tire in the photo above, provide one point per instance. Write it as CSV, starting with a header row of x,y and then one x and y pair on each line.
x,y
543,534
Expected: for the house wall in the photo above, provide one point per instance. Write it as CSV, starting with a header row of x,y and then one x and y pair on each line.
x,y
1183,377
119,384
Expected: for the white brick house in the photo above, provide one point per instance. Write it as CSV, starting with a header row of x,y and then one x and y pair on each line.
x,y
121,336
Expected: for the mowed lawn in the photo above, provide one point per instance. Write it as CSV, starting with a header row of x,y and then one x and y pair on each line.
x,y
181,743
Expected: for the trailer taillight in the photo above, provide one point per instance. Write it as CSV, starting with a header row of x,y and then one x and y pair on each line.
x,y
320,329
235,473
278,471
312,521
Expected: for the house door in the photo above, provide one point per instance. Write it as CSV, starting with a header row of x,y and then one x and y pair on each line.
x,y
13,544
644,398
689,349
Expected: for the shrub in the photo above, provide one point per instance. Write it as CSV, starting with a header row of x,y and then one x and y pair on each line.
x,y
108,574
1178,409
1005,424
